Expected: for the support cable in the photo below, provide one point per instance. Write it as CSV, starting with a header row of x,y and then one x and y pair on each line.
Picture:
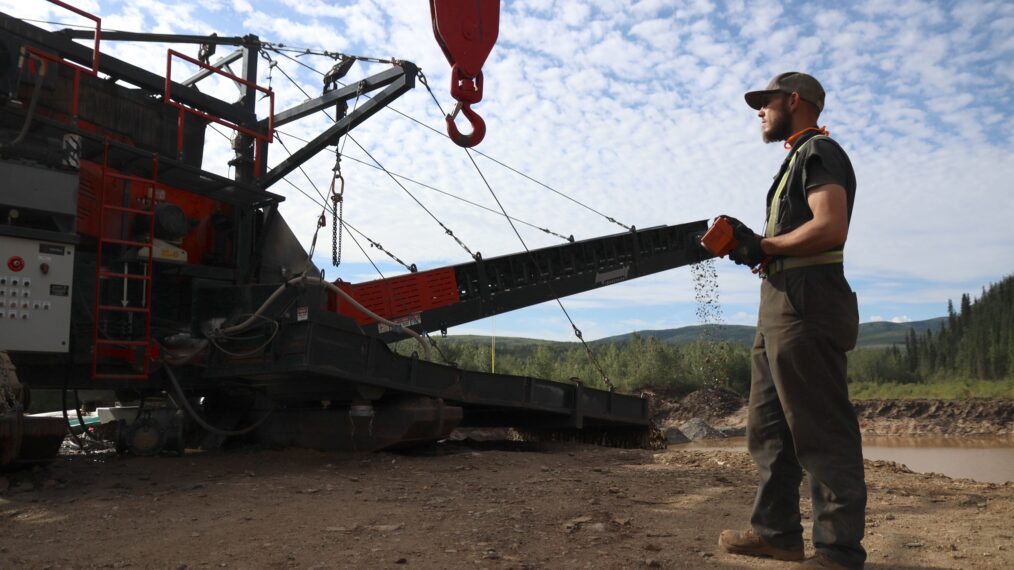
x,y
569,238
324,210
351,235
549,284
447,230
476,255
443,356
577,331
422,79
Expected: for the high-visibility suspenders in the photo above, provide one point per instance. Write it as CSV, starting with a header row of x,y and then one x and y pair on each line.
x,y
769,230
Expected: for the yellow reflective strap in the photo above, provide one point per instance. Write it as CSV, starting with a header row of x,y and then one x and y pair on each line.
x,y
769,229
776,200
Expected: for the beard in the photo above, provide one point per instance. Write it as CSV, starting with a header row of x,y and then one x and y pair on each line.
x,y
781,129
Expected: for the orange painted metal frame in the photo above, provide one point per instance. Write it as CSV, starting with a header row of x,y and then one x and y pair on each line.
x,y
399,297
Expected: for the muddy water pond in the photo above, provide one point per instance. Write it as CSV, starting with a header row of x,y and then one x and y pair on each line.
x,y
987,459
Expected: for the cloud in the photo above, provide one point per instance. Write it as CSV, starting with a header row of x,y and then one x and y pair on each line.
x,y
636,112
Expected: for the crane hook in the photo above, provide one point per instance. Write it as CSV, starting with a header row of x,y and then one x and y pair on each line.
x,y
466,31
478,126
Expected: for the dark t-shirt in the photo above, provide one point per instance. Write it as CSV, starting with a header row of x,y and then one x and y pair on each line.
x,y
818,161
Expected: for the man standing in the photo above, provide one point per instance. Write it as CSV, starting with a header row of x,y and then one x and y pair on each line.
x,y
800,417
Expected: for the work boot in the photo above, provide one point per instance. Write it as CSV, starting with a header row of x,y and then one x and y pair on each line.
x,y
824,562
749,543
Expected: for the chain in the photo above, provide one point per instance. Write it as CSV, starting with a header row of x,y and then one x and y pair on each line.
x,y
338,197
337,210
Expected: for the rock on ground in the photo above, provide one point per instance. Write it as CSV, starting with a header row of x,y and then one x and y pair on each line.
x,y
698,429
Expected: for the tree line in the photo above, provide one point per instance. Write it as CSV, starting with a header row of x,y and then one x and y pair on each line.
x,y
975,343
635,364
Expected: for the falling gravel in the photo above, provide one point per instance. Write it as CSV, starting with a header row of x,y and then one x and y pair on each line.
x,y
709,315
709,308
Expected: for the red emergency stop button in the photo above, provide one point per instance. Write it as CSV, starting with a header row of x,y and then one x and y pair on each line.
x,y
16,263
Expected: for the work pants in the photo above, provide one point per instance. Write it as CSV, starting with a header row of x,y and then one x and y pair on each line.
x,y
800,416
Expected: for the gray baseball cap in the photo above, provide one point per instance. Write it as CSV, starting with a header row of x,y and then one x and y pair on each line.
x,y
809,89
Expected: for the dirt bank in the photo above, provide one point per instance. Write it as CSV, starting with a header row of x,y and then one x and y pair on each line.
x,y
936,417
502,505
962,418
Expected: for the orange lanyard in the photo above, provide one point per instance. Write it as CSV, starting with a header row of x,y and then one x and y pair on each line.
x,y
789,142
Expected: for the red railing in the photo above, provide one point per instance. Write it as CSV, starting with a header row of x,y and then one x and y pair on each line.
x,y
98,31
78,69
264,137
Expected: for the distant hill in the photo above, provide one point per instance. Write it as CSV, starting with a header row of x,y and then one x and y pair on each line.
x,y
871,335
883,333
685,335
507,342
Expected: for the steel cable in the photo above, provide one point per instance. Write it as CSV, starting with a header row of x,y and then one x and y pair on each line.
x,y
479,152
444,192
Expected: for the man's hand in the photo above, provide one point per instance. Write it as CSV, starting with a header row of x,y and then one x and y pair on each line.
x,y
749,251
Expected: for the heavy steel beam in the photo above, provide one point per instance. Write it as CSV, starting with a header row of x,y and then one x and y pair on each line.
x,y
396,88
330,98
157,38
203,73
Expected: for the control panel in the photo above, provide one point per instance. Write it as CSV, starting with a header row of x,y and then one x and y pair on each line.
x,y
35,294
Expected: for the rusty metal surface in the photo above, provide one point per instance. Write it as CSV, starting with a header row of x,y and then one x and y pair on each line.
x,y
27,439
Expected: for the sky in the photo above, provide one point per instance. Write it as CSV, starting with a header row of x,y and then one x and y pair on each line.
x,y
636,110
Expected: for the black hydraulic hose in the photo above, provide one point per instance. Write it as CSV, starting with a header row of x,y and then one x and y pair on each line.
x,y
185,404
77,411
140,408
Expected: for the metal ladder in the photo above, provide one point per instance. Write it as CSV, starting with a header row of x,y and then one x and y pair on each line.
x,y
136,353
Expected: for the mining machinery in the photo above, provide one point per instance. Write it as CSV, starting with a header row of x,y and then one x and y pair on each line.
x,y
126,266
